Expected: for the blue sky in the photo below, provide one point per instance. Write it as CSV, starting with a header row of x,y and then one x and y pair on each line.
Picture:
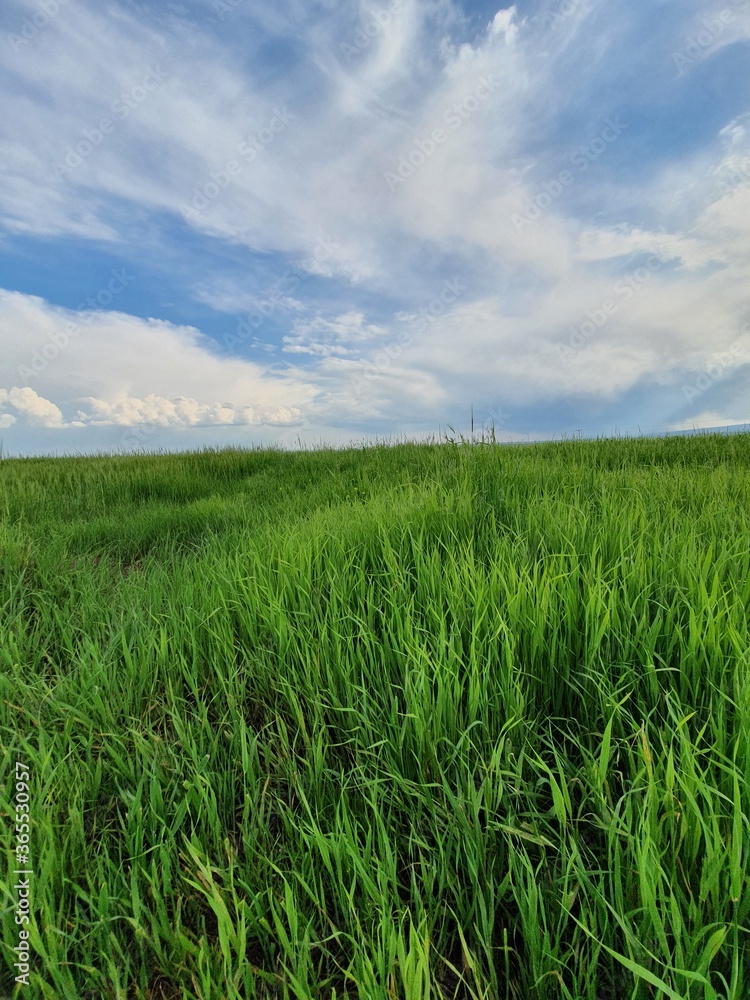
x,y
238,222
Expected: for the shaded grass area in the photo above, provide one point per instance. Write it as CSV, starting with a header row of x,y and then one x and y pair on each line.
x,y
413,722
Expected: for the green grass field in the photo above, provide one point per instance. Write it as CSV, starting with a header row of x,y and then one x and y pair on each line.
x,y
421,721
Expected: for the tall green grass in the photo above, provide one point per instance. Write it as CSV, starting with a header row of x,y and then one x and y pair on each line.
x,y
413,722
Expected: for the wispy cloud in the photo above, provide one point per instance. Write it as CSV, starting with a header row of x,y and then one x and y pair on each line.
x,y
539,158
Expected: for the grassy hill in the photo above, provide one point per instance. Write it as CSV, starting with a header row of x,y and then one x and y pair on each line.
x,y
410,722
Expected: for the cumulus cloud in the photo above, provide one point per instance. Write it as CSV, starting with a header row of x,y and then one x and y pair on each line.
x,y
120,370
30,406
502,23
129,411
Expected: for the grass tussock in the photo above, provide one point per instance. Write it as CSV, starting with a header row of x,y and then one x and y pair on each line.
x,y
403,723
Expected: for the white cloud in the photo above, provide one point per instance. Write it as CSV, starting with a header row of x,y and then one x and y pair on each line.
x,y
122,370
344,335
502,23
604,244
35,409
736,131
130,411
225,298
322,173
